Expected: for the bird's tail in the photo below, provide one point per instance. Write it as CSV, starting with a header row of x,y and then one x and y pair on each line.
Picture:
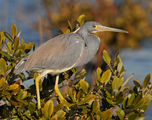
x,y
20,66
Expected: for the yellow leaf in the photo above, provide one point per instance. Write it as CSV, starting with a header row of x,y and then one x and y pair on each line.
x,y
99,71
2,36
2,82
48,109
117,82
14,30
3,67
84,85
87,99
81,19
106,115
147,80
14,87
60,115
105,76
106,57
16,43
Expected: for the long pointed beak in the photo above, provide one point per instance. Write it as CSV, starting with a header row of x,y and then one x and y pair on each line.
x,y
104,28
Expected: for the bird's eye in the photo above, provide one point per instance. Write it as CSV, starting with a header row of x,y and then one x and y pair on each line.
x,y
95,26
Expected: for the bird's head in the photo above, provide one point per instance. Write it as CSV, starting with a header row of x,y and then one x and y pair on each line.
x,y
93,27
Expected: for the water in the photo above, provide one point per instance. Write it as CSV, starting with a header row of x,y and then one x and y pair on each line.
x,y
22,13
139,62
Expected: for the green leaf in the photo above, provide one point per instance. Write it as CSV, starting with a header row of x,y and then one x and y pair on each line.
x,y
8,36
137,83
5,54
31,107
87,99
124,103
120,113
117,83
110,101
60,115
137,99
14,30
131,99
48,109
81,73
143,104
22,94
9,47
84,85
119,67
106,57
99,71
132,116
16,43
3,67
147,80
105,76
70,26
29,46
95,106
106,115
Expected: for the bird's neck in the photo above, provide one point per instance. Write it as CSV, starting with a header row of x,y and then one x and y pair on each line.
x,y
84,34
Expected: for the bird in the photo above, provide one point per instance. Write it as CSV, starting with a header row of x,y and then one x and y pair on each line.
x,y
64,52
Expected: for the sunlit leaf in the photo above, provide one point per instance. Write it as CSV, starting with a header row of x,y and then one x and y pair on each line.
x,y
81,73
105,76
81,19
3,67
106,115
2,82
22,94
16,43
48,109
117,82
87,99
96,106
131,99
84,85
99,71
147,80
14,87
120,113
60,115
14,30
106,57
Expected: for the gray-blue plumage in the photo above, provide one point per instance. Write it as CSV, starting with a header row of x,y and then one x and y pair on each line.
x,y
62,53
65,51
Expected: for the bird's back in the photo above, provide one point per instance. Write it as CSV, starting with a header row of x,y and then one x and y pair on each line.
x,y
57,53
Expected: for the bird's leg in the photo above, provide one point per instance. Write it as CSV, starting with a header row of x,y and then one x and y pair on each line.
x,y
56,88
58,92
37,80
37,91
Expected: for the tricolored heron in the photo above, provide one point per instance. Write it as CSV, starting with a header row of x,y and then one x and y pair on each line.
x,y
64,52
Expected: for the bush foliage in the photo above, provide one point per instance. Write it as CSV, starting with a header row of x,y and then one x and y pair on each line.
x,y
110,97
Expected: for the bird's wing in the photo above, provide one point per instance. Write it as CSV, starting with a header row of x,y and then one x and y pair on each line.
x,y
60,52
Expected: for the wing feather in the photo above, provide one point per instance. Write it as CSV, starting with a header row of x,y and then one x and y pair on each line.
x,y
60,52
